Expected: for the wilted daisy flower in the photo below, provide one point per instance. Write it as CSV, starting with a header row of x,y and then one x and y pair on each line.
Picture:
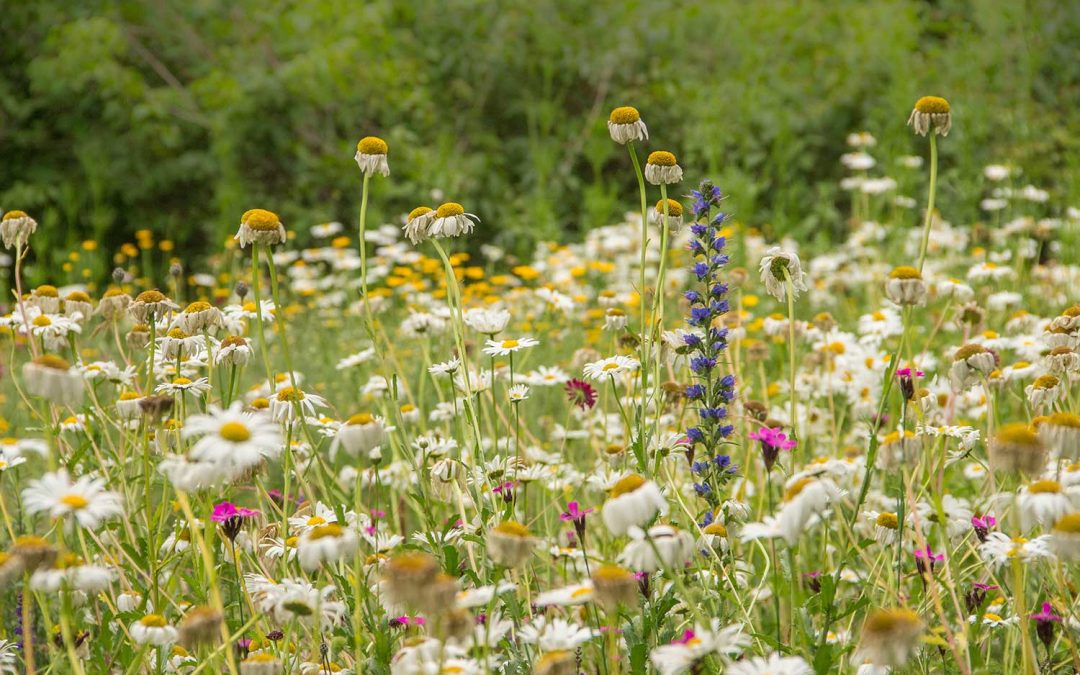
x,y
612,366
153,629
634,502
297,600
262,663
555,634
1016,447
234,350
505,347
1065,537
53,379
889,636
86,501
971,363
1045,391
200,626
931,113
663,546
151,304
510,544
905,286
70,572
1060,431
16,228
451,221
614,586
625,125
371,154
772,267
662,169
414,580
1043,503
674,218
886,527
360,435
418,224
327,543
259,226
290,404
197,317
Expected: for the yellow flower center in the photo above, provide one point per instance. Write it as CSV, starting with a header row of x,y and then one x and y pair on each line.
x,y
47,291
323,531
361,419
885,621
627,485
1044,487
419,211
715,528
291,394
372,145
52,361
198,306
1045,382
1070,524
12,215
661,158
450,209
967,351
509,344
75,502
905,272
674,208
1017,433
512,528
235,432
78,296
153,621
41,321
316,520
888,520
796,488
261,219
930,105
624,115
177,334
150,297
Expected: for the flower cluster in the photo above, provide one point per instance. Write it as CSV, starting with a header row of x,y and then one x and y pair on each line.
x,y
704,344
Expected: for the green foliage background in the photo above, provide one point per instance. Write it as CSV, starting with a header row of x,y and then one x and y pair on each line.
x,y
178,115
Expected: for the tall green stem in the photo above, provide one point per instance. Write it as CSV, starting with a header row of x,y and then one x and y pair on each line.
x,y
929,201
255,273
363,244
645,328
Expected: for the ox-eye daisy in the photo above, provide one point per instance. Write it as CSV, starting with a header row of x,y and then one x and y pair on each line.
x,y
86,501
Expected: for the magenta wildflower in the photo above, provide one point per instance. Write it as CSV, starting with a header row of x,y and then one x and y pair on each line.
x,y
226,510
1044,624
926,558
581,393
772,442
574,514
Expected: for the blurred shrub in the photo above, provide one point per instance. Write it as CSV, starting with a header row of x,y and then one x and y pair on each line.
x,y
178,115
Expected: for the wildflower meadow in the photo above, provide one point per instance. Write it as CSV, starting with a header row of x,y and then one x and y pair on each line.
x,y
678,443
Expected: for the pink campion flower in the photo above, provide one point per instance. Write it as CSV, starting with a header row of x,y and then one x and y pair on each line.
x,y
226,510
907,381
575,515
1047,614
773,438
982,525
687,636
926,558
772,442
574,512
1044,624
